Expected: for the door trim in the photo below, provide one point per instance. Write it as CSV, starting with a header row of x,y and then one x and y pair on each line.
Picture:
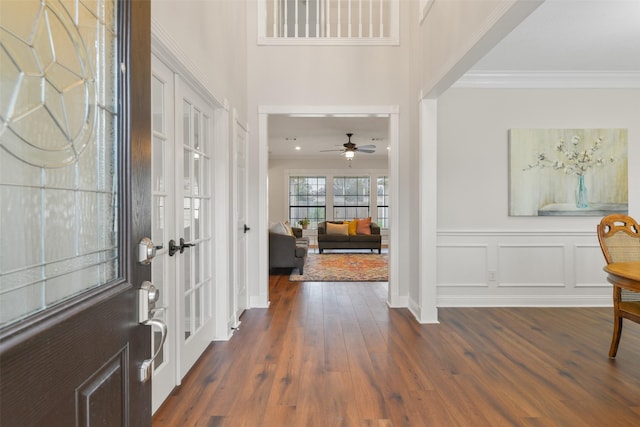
x,y
259,297
164,48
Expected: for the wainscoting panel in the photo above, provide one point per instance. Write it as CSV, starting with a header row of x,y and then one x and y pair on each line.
x,y
462,265
588,265
520,268
531,265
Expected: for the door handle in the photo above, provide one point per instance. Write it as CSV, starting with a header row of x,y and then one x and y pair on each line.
x,y
173,248
246,228
184,245
145,369
148,295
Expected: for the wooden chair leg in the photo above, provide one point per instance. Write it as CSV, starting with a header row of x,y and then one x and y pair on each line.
x,y
617,332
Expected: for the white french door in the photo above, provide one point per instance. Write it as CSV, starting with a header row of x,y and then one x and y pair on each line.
x,y
240,298
194,132
183,267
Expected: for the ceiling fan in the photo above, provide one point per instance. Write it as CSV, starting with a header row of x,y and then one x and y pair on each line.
x,y
350,148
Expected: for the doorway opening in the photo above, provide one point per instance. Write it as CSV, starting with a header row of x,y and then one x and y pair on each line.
x,y
386,114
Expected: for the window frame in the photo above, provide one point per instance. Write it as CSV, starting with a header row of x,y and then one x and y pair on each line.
x,y
320,208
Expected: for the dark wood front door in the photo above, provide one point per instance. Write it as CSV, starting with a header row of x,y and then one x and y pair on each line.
x,y
74,203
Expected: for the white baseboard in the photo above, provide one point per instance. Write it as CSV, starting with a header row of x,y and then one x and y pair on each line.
x,y
525,301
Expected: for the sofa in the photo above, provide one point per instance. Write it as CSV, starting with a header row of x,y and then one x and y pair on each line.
x,y
288,251
329,239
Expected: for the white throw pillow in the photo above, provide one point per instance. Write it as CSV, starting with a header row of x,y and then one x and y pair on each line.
x,y
279,228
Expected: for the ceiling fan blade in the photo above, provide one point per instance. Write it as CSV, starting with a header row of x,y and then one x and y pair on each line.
x,y
366,150
326,151
366,147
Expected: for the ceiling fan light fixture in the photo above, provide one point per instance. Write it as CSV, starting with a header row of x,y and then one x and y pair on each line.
x,y
349,154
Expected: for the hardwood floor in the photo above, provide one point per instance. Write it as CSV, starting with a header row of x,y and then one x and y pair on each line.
x,y
334,354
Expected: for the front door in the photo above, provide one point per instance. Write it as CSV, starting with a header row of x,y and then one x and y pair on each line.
x,y
74,203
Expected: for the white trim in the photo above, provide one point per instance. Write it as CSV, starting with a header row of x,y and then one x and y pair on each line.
x,y
169,52
343,41
426,310
520,232
260,299
394,298
506,16
525,301
549,80
425,8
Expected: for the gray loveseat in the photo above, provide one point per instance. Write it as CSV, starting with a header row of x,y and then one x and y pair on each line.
x,y
286,251
359,241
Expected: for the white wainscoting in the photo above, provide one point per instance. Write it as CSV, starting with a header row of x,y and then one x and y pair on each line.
x,y
497,268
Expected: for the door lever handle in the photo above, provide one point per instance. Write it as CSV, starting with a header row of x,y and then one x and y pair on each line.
x,y
184,245
173,248
145,369
246,228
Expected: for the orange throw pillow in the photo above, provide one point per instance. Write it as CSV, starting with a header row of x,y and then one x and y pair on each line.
x,y
364,226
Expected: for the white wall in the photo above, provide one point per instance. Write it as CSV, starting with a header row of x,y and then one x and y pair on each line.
x,y
339,76
212,35
536,260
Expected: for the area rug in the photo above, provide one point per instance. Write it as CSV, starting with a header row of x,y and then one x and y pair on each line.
x,y
343,268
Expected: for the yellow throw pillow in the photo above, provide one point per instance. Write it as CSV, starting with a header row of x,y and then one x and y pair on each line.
x,y
353,226
341,229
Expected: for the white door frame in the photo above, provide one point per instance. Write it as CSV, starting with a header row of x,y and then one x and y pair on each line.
x,y
260,297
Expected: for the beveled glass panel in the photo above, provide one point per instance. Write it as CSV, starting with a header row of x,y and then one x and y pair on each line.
x,y
187,281
196,218
187,171
196,174
196,129
158,228
58,156
186,123
197,255
157,96
198,307
188,310
187,219
157,167
206,122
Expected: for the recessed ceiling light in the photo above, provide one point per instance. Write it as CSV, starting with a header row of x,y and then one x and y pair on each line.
x,y
298,148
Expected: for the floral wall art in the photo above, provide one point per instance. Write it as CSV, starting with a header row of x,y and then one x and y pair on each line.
x,y
570,172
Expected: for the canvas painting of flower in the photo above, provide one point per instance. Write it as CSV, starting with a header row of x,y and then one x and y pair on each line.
x,y
567,172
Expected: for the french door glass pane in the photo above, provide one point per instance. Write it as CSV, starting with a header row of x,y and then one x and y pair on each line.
x,y
58,152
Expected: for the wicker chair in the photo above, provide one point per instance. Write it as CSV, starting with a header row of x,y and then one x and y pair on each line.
x,y
619,237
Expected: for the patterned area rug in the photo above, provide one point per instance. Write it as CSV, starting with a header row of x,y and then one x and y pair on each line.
x,y
343,268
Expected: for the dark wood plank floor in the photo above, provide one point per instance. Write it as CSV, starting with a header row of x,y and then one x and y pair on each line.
x,y
334,354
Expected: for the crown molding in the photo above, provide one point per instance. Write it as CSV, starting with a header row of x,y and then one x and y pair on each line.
x,y
509,79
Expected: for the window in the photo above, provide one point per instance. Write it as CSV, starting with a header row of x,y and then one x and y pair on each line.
x,y
350,197
307,199
383,201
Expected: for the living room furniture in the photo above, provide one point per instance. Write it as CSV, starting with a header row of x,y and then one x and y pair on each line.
x,y
327,240
287,251
619,237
